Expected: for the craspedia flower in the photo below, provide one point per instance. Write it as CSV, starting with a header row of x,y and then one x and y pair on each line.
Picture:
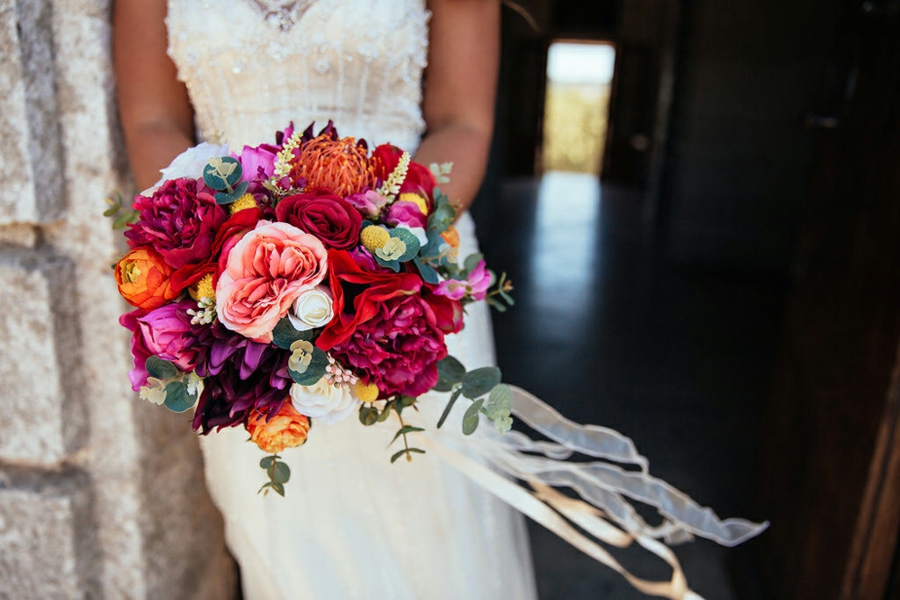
x,y
374,237
244,202
367,392
287,429
339,165
416,199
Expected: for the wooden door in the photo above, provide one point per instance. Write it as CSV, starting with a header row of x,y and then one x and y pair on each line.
x,y
832,462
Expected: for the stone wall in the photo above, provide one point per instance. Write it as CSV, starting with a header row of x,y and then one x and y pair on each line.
x,y
101,494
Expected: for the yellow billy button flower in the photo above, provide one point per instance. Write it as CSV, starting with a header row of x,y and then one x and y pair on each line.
x,y
374,237
366,392
245,201
417,200
203,288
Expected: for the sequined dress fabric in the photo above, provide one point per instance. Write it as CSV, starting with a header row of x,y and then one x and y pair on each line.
x,y
352,525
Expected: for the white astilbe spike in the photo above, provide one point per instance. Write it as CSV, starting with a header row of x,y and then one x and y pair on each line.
x,y
391,186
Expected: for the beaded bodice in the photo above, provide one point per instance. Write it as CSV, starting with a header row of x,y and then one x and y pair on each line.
x,y
252,66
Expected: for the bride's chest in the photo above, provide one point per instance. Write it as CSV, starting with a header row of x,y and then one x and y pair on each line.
x,y
231,36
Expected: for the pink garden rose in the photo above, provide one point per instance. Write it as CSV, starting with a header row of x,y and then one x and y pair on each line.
x,y
165,332
263,275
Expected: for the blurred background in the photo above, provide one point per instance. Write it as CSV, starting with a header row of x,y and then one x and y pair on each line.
x,y
699,204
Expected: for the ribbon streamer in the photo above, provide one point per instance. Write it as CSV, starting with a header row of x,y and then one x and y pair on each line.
x,y
603,512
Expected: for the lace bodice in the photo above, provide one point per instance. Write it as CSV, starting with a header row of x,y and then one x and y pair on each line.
x,y
252,66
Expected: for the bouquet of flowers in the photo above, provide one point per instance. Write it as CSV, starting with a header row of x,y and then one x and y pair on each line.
x,y
301,282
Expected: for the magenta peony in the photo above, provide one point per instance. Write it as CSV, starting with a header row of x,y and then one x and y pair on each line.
x,y
398,348
324,215
179,221
165,332
264,273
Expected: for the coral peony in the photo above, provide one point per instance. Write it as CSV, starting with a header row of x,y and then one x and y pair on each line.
x,y
179,221
324,215
264,273
165,332
287,429
398,347
144,279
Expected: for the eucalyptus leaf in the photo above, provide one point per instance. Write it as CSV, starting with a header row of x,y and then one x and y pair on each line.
x,y
503,424
314,371
282,473
410,240
178,399
451,369
406,429
279,488
267,461
480,381
222,172
499,402
472,261
397,455
284,334
384,414
229,197
160,369
471,418
429,275
393,265
368,415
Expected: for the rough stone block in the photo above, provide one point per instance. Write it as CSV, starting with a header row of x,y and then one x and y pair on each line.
x,y
43,550
30,164
37,349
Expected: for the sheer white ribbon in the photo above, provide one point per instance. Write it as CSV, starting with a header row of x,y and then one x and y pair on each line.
x,y
603,512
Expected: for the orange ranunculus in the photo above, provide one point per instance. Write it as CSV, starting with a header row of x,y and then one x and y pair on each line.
x,y
451,236
287,429
143,278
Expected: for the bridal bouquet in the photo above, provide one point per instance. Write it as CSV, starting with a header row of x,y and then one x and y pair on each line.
x,y
301,282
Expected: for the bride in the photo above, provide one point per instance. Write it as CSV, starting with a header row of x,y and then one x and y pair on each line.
x,y
236,71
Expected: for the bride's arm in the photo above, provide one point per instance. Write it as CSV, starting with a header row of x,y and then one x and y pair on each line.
x,y
156,114
458,104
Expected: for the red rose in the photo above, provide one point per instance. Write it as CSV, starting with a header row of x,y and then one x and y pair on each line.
x,y
370,289
328,217
419,178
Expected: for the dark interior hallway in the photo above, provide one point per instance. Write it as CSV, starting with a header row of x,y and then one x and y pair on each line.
x,y
678,359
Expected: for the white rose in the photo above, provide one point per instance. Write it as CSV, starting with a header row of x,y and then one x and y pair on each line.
x,y
190,163
312,309
323,401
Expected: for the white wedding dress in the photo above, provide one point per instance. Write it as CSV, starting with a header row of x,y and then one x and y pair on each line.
x,y
352,525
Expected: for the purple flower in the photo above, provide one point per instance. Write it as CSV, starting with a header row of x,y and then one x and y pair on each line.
x,y
258,163
407,214
475,285
240,375
165,332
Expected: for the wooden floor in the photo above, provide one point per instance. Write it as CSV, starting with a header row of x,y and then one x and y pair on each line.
x,y
677,358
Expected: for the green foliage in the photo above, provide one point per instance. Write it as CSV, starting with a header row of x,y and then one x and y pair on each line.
x,y
229,197
178,398
499,407
284,334
314,371
453,377
161,369
279,474
120,214
369,415
450,373
471,418
480,381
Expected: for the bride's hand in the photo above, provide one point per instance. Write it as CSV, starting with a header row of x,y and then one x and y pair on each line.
x,y
156,113
458,104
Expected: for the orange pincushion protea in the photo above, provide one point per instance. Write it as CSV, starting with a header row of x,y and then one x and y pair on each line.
x,y
339,165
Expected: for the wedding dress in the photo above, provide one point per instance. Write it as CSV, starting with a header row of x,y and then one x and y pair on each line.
x,y
352,525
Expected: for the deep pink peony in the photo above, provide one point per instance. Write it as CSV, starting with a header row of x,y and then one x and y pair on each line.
x,y
179,221
165,332
324,215
263,275
398,348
